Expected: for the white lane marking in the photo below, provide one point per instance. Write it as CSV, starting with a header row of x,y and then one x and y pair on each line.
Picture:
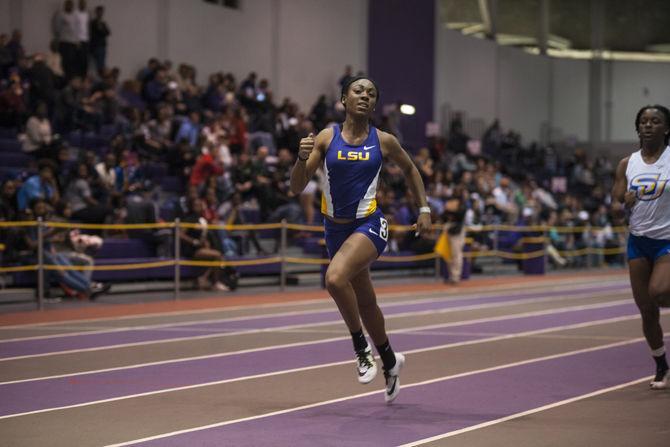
x,y
549,285
355,396
295,326
332,308
328,365
526,413
408,330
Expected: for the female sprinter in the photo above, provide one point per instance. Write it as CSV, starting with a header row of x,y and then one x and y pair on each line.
x,y
356,232
641,183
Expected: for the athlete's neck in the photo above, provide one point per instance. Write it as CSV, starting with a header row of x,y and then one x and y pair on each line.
x,y
355,128
653,150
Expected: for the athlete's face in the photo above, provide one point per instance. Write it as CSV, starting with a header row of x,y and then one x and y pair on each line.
x,y
361,97
652,126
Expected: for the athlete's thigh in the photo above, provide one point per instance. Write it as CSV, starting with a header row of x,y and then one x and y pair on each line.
x,y
659,284
362,284
640,275
355,254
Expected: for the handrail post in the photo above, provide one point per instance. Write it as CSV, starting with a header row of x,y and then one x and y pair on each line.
x,y
498,260
282,254
40,263
177,255
545,246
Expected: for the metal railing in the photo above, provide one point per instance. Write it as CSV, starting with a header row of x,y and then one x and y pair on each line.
x,y
538,244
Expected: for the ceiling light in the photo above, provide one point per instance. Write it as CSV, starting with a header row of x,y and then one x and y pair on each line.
x,y
407,109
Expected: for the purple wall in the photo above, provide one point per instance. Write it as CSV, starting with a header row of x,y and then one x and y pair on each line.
x,y
401,60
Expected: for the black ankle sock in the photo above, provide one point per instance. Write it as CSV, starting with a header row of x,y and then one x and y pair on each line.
x,y
387,355
661,362
360,343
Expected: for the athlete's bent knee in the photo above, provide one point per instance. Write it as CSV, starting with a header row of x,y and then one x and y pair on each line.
x,y
335,280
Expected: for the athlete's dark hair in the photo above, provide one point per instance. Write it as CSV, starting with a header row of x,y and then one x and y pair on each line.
x,y
345,87
664,111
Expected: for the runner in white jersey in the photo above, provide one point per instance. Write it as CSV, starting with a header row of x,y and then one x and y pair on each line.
x,y
642,183
356,232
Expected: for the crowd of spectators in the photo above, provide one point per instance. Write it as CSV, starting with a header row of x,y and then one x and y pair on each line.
x,y
107,144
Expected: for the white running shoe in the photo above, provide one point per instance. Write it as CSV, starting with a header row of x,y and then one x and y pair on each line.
x,y
661,381
366,366
392,377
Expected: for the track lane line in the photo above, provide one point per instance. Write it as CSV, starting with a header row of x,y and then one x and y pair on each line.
x,y
331,364
302,325
355,396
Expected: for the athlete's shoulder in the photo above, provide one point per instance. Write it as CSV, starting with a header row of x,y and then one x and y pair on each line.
x,y
325,137
386,139
622,167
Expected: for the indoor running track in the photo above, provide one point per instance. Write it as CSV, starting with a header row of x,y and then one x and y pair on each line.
x,y
552,361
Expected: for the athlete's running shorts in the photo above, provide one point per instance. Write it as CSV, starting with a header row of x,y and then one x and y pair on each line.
x,y
374,227
646,247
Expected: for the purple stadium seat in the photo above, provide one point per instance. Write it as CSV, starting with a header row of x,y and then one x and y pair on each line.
x,y
14,159
124,248
11,145
9,133
171,183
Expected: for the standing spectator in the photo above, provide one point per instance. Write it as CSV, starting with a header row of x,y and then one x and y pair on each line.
x,y
348,74
82,24
54,61
454,215
16,47
99,31
65,32
42,83
6,59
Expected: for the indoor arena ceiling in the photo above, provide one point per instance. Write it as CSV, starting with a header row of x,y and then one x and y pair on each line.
x,y
628,25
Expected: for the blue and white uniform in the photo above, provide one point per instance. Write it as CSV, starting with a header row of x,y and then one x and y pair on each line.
x,y
650,216
349,191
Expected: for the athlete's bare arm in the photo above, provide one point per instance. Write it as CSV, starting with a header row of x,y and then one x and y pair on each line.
x,y
310,157
619,190
391,148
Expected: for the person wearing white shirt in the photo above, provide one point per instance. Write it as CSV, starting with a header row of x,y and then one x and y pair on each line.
x,y
65,33
82,30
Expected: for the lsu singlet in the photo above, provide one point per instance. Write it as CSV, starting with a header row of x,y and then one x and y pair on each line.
x,y
650,216
351,175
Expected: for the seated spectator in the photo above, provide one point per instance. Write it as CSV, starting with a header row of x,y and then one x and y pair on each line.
x,y
78,193
42,186
39,140
13,103
206,165
156,134
73,282
9,211
155,89
195,244
189,129
130,95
